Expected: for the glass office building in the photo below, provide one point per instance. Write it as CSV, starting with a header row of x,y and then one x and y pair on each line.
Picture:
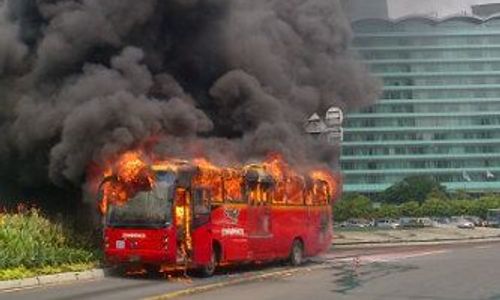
x,y
439,114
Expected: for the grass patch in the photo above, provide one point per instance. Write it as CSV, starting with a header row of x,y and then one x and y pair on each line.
x,y
23,272
31,245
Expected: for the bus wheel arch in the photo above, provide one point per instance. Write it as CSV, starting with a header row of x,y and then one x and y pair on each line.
x,y
217,249
215,257
297,251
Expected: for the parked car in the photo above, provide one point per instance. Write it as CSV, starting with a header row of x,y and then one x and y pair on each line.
x,y
476,220
355,223
425,222
387,223
465,224
416,222
442,220
407,222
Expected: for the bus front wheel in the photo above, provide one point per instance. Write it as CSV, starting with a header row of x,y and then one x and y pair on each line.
x,y
209,269
297,253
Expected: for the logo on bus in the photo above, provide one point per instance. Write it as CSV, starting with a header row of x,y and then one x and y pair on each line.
x,y
233,214
233,232
134,235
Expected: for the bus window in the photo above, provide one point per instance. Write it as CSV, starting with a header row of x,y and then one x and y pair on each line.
x,y
259,194
317,193
211,180
295,191
201,203
279,197
320,193
233,187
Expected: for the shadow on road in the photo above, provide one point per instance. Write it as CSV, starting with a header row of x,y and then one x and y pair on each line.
x,y
192,276
352,276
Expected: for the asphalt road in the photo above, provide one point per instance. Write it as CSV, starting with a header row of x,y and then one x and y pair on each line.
x,y
465,272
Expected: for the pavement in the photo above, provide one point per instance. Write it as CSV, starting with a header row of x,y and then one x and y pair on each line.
x,y
54,279
441,272
444,233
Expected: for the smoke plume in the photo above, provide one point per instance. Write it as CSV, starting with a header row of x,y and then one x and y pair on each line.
x,y
230,79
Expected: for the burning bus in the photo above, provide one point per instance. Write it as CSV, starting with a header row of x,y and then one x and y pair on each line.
x,y
170,215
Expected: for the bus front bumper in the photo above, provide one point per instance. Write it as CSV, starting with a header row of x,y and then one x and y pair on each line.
x,y
145,256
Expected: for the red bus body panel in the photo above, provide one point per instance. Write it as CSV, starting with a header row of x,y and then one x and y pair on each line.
x,y
149,246
242,232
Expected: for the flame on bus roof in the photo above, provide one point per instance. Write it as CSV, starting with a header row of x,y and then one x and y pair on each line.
x,y
134,171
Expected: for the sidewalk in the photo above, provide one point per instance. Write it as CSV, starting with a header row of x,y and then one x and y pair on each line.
x,y
52,279
434,234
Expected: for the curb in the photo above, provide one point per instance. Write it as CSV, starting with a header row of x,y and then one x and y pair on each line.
x,y
392,243
11,285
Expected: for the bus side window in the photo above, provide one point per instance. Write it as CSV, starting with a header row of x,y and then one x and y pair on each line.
x,y
201,204
233,186
321,193
295,191
259,194
268,194
279,197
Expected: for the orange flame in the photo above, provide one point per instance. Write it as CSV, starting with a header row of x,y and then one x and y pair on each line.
x,y
133,171
325,176
233,184
124,178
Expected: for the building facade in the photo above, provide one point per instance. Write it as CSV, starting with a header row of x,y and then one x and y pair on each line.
x,y
396,9
439,114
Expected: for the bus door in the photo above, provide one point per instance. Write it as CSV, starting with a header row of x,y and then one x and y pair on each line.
x,y
259,220
202,239
183,225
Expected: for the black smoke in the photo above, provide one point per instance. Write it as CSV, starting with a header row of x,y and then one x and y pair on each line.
x,y
231,79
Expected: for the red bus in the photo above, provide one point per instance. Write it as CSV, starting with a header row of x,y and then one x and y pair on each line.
x,y
196,217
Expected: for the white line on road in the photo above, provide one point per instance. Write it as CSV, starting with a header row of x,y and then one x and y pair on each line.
x,y
482,247
389,257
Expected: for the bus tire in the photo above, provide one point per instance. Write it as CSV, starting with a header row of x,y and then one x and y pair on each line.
x,y
297,253
208,270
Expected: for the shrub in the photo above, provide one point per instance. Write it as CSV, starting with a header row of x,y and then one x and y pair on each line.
x,y
29,240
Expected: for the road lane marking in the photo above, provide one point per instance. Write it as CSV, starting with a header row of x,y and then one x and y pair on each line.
x,y
482,247
389,257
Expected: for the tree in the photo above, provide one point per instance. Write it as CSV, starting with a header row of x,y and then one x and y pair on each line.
x,y
436,207
463,207
414,188
485,203
387,211
461,195
410,209
352,206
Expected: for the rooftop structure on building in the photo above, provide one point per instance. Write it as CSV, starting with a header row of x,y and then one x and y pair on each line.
x,y
397,9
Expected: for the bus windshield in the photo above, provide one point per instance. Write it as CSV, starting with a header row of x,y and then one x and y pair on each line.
x,y
150,209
